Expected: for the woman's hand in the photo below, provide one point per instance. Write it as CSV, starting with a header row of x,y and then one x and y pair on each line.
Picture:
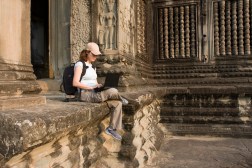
x,y
98,85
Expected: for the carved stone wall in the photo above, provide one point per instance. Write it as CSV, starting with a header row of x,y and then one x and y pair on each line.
x,y
141,29
232,27
176,30
130,32
126,25
80,26
107,24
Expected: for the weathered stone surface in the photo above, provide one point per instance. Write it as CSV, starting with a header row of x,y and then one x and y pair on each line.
x,y
21,102
208,110
79,148
25,128
143,136
204,152
213,89
80,27
10,88
72,134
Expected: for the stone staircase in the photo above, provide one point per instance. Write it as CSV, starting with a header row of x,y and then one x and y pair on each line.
x,y
212,98
216,114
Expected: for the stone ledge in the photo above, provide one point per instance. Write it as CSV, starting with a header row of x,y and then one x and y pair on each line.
x,y
27,127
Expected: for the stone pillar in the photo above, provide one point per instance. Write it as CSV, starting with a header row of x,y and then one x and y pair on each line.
x,y
161,35
176,31
166,32
216,30
171,23
15,60
228,28
222,28
234,29
187,31
241,27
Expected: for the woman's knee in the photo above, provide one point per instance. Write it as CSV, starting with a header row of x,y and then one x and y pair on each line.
x,y
116,104
113,91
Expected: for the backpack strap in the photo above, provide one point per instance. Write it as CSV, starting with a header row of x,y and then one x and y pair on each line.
x,y
82,74
83,69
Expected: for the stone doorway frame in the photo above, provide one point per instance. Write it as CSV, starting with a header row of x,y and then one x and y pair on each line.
x,y
59,37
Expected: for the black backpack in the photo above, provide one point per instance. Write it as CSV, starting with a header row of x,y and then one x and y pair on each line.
x,y
67,83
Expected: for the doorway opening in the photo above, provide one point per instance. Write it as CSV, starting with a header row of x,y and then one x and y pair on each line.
x,y
40,38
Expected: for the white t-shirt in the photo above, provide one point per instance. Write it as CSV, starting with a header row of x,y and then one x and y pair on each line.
x,y
90,77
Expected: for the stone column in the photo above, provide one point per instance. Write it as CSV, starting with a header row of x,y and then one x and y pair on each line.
x,y
228,28
182,31
216,30
161,35
241,27
247,27
15,60
171,32
193,31
176,31
166,32
222,28
234,29
187,31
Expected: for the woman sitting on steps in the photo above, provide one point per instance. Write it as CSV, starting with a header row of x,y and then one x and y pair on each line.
x,y
89,82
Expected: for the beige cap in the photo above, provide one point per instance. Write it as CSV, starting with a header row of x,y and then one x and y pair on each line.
x,y
94,48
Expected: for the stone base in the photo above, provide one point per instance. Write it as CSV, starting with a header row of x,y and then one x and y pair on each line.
x,y
22,101
17,80
10,88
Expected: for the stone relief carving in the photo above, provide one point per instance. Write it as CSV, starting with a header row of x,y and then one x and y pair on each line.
x,y
80,26
141,28
107,24
102,23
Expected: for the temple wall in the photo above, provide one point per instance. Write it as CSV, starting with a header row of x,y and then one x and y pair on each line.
x,y
126,27
80,30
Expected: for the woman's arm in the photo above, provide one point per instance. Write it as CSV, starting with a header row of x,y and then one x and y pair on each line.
x,y
76,79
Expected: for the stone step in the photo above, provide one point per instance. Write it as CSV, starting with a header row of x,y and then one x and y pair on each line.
x,y
203,81
191,71
202,68
190,104
184,75
227,130
205,120
194,111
